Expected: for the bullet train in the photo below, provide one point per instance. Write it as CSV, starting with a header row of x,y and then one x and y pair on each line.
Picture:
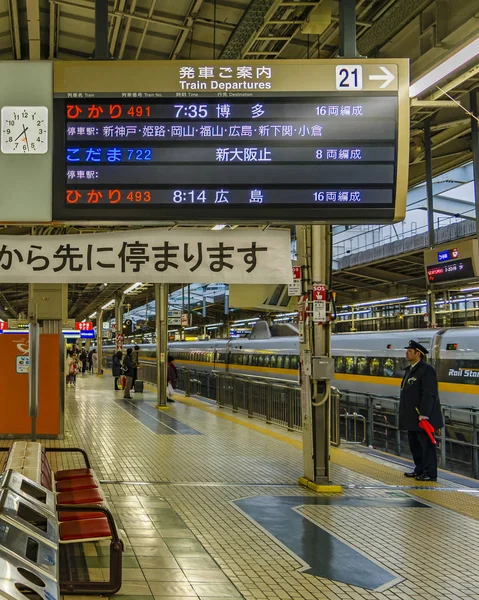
x,y
366,362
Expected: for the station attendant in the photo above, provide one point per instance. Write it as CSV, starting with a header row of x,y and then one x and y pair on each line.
x,y
420,400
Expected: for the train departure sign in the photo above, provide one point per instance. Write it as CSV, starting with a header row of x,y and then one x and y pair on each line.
x,y
261,141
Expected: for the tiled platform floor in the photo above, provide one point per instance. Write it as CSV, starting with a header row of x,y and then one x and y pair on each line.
x,y
189,538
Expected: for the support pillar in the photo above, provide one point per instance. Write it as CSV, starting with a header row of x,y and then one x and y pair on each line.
x,y
431,308
475,152
347,28
314,254
119,319
161,321
101,31
429,190
99,338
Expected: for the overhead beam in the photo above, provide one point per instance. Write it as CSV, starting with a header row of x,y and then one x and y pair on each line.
x,y
33,25
15,28
396,18
385,275
189,21
252,20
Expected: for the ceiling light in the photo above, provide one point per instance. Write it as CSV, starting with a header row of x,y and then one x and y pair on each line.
x,y
416,305
133,287
92,315
218,227
469,289
108,304
452,63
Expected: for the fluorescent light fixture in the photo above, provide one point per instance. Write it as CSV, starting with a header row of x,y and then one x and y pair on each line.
x,y
133,287
447,67
218,227
93,315
190,328
84,321
291,314
242,321
469,289
416,305
387,301
108,304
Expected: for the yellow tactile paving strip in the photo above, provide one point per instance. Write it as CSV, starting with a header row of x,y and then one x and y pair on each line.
x,y
460,502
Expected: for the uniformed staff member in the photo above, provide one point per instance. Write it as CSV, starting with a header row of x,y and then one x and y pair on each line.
x,y
420,400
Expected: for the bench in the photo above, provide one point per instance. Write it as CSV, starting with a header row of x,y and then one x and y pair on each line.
x,y
83,514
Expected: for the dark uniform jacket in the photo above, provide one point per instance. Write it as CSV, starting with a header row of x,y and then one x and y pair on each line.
x,y
116,366
419,390
128,368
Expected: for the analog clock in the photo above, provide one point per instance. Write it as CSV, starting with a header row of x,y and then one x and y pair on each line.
x,y
24,130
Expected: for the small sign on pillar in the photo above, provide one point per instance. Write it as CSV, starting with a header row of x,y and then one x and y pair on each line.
x,y
119,341
294,289
319,303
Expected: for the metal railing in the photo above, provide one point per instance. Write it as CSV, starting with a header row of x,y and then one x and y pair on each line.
x,y
355,417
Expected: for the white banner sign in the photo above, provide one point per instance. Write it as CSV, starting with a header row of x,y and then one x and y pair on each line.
x,y
148,255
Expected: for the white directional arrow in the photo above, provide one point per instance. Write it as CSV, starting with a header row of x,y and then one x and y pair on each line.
x,y
388,77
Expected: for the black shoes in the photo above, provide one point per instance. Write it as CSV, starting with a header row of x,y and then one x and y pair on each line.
x,y
169,400
411,474
425,478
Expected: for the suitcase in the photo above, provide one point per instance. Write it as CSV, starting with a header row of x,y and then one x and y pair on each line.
x,y
139,386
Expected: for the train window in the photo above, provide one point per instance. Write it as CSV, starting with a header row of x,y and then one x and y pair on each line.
x,y
339,364
267,360
273,362
254,360
451,347
294,362
279,362
286,362
260,360
245,359
349,362
362,365
375,366
389,367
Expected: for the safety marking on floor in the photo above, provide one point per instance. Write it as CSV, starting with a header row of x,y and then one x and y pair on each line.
x,y
157,422
320,551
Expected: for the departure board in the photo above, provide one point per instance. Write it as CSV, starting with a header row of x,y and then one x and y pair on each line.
x,y
451,271
202,152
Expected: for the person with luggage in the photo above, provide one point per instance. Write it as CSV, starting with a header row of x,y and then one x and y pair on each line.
x,y
128,371
94,361
116,369
172,379
72,365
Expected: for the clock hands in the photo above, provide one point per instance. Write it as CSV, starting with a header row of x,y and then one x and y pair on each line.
x,y
24,132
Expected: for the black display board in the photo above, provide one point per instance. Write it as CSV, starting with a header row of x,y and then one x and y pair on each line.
x,y
329,157
450,271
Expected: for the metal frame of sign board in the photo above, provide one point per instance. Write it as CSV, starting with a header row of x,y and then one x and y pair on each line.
x,y
106,79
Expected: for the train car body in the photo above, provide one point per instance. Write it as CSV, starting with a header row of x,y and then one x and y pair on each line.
x,y
368,362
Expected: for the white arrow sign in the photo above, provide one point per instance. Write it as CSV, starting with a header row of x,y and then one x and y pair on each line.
x,y
388,77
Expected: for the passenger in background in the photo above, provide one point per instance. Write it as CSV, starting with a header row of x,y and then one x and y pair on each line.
x,y
420,400
136,363
73,365
172,379
116,368
90,361
128,371
83,358
94,361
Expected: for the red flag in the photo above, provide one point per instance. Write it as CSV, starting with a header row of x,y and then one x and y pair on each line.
x,y
429,429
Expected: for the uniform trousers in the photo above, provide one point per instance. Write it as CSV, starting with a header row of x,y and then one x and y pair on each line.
x,y
424,453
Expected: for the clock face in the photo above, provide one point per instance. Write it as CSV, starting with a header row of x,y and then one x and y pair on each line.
x,y
24,130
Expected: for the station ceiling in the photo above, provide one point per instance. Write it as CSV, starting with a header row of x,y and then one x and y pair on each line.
x,y
426,31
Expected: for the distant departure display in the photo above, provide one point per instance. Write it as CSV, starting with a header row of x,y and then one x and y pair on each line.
x,y
178,156
450,271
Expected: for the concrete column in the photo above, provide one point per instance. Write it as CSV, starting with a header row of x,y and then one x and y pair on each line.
x,y
161,319
475,152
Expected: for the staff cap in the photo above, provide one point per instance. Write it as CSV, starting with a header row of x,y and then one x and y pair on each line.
x,y
417,346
